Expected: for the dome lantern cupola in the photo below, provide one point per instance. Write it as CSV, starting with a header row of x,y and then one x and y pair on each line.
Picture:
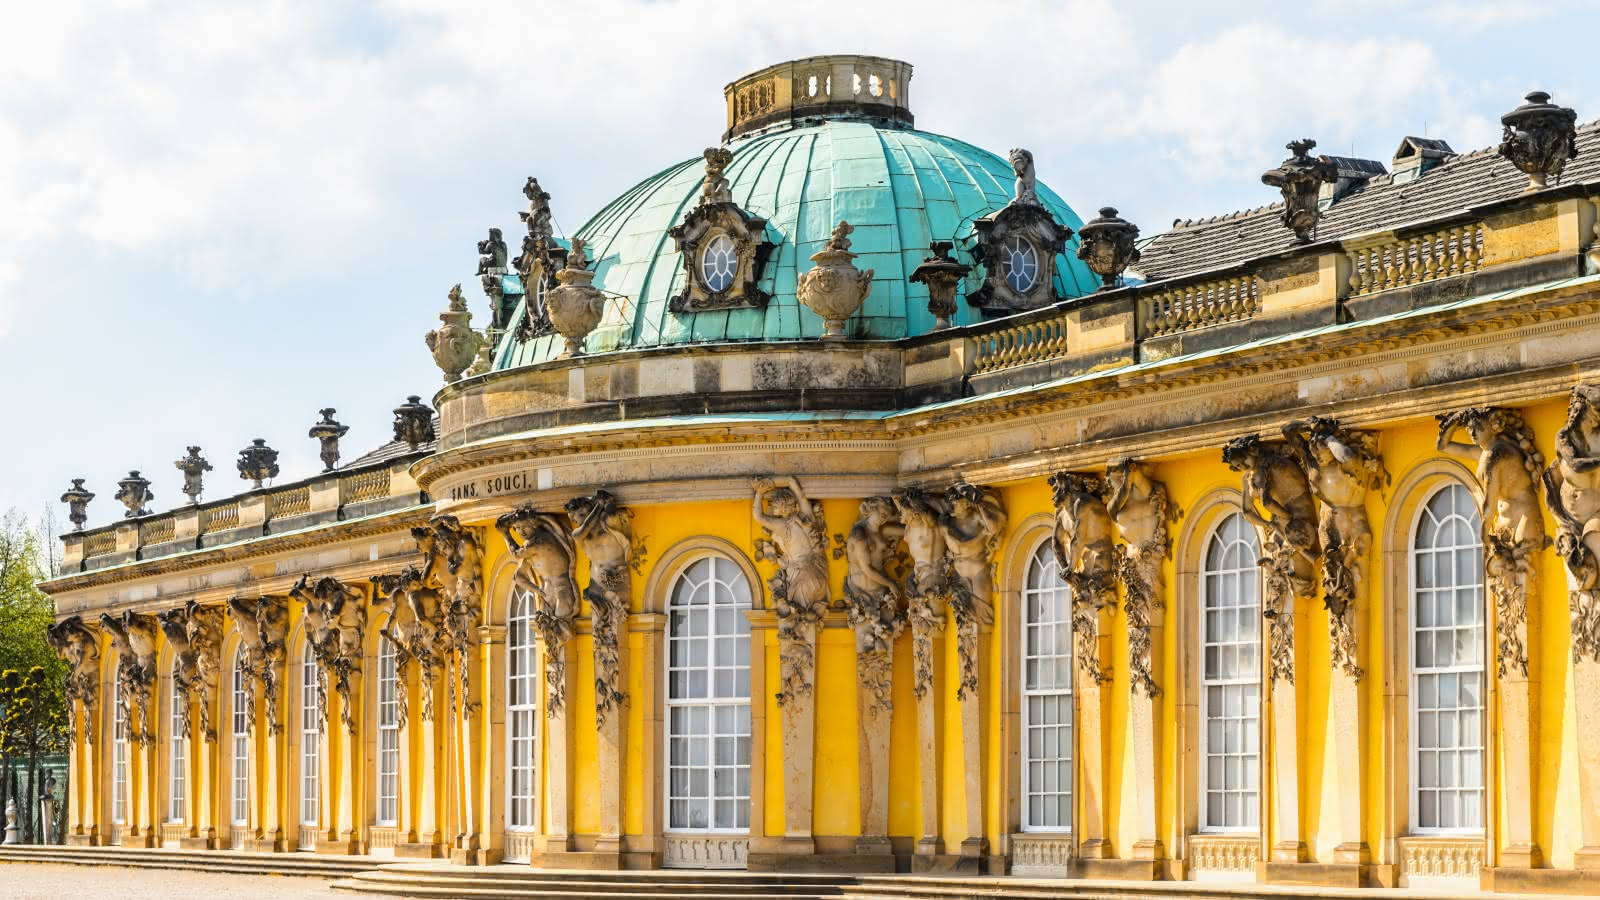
x,y
840,86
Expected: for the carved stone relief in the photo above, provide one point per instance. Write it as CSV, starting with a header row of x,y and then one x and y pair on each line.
x,y
1508,466
546,555
1300,179
414,623
873,596
195,634
541,257
1140,508
1341,466
134,636
1572,491
927,586
263,628
335,620
972,529
723,247
1086,557
454,344
603,530
77,643
453,565
1017,247
796,541
193,466
1540,137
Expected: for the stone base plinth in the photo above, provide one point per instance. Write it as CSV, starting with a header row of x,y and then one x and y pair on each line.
x,y
599,860
1117,869
461,856
199,843
854,863
1316,874
339,847
419,851
946,864
83,840
1572,882
145,840
1521,856
264,845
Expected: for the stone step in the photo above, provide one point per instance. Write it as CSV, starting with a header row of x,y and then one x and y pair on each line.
x,y
487,890
218,860
520,881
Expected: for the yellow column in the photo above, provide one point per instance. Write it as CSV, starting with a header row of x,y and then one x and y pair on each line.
x,y
1090,691
927,650
972,649
489,739
558,750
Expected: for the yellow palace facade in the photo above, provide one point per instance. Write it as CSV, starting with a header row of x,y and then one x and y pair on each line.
x,y
840,500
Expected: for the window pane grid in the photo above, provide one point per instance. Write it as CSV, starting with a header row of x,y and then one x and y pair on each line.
x,y
310,739
708,699
241,749
119,756
388,734
1046,696
1230,680
522,685
177,783
1447,665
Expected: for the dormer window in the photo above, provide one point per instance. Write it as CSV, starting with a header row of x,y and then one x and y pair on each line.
x,y
1019,264
718,264
723,247
1018,246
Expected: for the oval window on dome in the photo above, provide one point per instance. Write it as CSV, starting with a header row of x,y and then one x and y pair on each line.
x,y
719,263
1019,263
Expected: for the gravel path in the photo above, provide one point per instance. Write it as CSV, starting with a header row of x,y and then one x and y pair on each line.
x,y
54,881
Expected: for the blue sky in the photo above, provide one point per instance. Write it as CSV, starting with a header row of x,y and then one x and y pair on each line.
x,y
218,218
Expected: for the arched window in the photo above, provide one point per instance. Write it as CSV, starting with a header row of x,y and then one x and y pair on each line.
x,y
522,716
388,733
1046,696
1447,621
177,761
119,755
1230,689
241,744
310,749
708,699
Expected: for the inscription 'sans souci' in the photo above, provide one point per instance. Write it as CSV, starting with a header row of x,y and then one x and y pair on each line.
x,y
491,487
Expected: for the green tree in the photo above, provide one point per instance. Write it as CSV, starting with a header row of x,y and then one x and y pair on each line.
x,y
33,708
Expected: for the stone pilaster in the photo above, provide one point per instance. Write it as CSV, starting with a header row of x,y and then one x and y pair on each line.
x,y
927,615
1144,713
1586,687
558,755
972,640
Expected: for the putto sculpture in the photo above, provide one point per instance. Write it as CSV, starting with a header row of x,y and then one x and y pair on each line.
x,y
454,344
413,422
1300,179
1026,187
1086,558
575,305
943,276
258,462
1106,243
603,530
77,500
193,466
1540,137
1139,506
545,555
972,529
1508,468
1572,491
795,540
1018,247
834,288
134,493
491,268
1342,465
327,432
538,261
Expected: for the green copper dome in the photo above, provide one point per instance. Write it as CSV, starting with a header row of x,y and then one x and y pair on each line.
x,y
901,189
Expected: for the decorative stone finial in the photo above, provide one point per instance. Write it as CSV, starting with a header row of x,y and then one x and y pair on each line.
x,y
1300,178
538,246
77,500
575,306
834,289
716,188
942,275
413,422
258,462
1027,187
1107,246
328,431
194,466
454,345
1539,138
134,493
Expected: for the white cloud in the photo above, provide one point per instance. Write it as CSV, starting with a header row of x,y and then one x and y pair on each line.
x,y
10,277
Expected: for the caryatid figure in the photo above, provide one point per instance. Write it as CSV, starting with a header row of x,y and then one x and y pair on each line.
x,y
1507,465
1572,491
800,586
927,585
77,643
545,554
1086,557
972,529
603,530
873,596
1142,511
1341,466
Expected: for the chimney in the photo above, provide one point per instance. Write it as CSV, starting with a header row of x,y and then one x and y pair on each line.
x,y
1416,155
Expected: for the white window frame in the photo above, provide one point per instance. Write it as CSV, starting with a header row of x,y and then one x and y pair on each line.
x,y
177,755
522,750
1253,627
388,793
723,573
1479,669
119,756
310,744
1059,630
240,725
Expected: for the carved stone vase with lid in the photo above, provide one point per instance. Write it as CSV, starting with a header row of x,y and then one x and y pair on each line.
x,y
134,493
942,275
413,422
454,345
1107,246
1300,178
575,305
194,466
258,462
1539,138
328,432
835,288
77,501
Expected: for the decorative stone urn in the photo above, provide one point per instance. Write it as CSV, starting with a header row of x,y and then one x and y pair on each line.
x,y
258,462
575,306
1539,138
134,493
413,422
328,432
193,466
1300,178
835,288
942,275
1106,244
454,345
77,500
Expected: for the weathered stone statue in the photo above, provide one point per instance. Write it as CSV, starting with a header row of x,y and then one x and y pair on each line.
x,y
1508,466
76,642
1106,243
1027,190
77,500
716,188
134,493
411,612
326,432
185,664
1086,557
927,588
545,555
834,288
1572,491
575,305
491,266
134,637
603,530
1540,137
874,597
193,466
943,276
1299,179
796,542
413,422
535,265
335,620
1142,512
454,344
972,529
203,627
263,627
